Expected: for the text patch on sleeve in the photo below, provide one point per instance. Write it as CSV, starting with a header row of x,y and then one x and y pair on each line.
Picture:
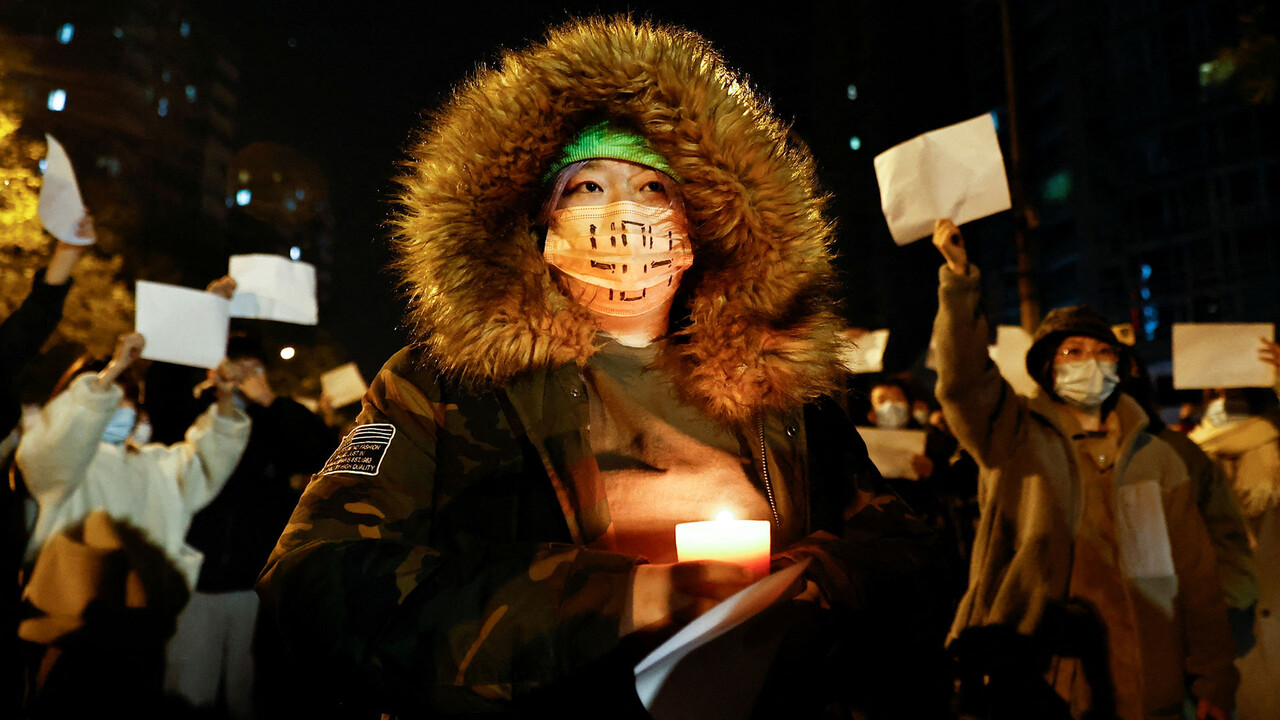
x,y
361,451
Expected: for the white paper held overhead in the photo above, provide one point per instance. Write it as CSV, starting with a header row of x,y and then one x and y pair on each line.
x,y
955,172
182,325
865,353
1010,356
273,287
1221,355
61,208
343,385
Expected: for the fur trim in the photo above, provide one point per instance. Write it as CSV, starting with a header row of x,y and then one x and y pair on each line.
x,y
761,327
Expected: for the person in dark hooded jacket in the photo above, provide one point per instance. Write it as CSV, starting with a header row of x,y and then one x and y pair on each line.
x,y
620,289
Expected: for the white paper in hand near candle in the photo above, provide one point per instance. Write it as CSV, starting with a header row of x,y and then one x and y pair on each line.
x,y
343,385
1010,356
273,287
653,670
182,325
865,354
61,208
891,451
1221,355
955,172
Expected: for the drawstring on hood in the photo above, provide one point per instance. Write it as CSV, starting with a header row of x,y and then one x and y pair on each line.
x,y
759,331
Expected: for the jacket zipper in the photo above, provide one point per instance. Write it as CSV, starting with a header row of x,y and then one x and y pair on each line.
x,y
764,467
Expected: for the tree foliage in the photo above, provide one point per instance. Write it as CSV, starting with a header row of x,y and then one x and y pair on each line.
x,y
99,306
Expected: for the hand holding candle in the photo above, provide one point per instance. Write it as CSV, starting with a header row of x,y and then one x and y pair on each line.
x,y
743,542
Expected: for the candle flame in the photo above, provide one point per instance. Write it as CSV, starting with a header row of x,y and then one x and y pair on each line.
x,y
724,515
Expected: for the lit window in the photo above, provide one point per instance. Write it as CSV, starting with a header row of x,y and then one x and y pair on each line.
x,y
184,29
290,204
57,100
287,353
118,33
295,253
855,143
243,197
851,92
1146,271
162,107
166,76
1146,293
65,33
191,93
230,201
44,165
243,175
300,194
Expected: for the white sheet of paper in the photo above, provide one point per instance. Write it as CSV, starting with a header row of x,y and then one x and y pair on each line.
x,y
866,354
1141,531
182,325
891,450
273,287
343,385
1010,356
954,172
60,207
653,670
1220,355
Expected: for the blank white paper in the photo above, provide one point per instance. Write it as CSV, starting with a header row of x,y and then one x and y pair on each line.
x,y
866,353
954,172
273,287
343,385
1010,356
60,206
1220,355
182,325
891,451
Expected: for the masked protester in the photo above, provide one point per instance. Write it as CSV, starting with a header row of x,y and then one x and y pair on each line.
x,y
108,561
1091,562
1239,433
619,275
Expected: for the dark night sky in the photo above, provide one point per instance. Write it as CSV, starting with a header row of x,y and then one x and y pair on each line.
x,y
348,84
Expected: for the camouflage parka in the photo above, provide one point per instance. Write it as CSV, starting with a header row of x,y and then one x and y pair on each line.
x,y
456,552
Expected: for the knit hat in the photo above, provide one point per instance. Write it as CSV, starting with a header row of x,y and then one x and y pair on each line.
x,y
1060,324
606,140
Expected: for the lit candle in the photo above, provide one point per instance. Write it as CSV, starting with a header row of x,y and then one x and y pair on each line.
x,y
745,542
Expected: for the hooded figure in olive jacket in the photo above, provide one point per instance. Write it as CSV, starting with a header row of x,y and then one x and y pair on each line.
x,y
502,519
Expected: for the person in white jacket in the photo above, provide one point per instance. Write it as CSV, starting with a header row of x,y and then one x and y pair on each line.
x,y
74,459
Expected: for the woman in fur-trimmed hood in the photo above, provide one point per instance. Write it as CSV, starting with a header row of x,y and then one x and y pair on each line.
x,y
619,282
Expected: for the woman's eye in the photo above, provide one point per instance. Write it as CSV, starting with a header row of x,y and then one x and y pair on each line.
x,y
655,186
591,187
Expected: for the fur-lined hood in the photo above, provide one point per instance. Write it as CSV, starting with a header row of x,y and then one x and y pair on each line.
x,y
760,331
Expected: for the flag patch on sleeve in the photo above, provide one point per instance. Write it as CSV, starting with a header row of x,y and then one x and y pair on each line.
x,y
361,451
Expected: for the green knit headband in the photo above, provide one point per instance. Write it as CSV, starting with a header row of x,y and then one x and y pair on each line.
x,y
607,141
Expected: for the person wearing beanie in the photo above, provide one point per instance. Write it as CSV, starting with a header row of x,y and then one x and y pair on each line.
x,y
619,287
1091,559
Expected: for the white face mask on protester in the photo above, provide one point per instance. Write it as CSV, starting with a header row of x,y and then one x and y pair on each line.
x,y
632,254
892,415
1087,383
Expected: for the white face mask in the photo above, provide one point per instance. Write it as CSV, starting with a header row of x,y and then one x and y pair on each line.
x,y
1086,383
141,434
631,254
892,415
